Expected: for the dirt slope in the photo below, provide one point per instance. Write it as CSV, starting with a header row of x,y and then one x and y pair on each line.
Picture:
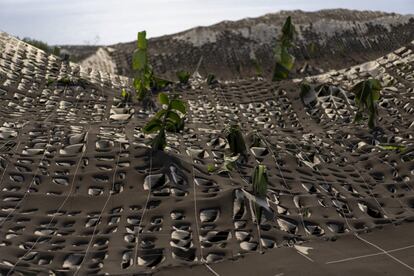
x,y
328,39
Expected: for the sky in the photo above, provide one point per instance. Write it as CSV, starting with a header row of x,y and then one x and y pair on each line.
x,y
112,21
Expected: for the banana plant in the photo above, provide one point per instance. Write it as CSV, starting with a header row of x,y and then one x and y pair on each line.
x,y
284,60
258,68
170,118
260,182
211,79
145,81
143,74
183,77
230,162
238,150
367,94
126,96
307,93
399,148
236,141
158,83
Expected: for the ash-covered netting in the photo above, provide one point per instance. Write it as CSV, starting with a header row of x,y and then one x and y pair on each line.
x,y
81,193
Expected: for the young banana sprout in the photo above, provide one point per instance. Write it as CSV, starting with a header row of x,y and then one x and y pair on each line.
x,y
307,93
258,68
142,70
260,182
236,141
126,96
238,150
144,79
169,118
399,148
211,79
367,94
183,76
284,60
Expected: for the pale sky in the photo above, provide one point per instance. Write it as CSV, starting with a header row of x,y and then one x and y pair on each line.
x,y
112,21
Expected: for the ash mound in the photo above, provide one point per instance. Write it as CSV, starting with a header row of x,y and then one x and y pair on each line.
x,y
83,194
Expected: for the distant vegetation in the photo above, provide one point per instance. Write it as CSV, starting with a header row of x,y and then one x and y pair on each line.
x,y
43,46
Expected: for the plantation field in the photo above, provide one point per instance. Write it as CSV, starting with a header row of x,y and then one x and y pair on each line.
x,y
102,175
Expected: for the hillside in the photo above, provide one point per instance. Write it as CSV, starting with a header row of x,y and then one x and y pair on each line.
x,y
327,39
